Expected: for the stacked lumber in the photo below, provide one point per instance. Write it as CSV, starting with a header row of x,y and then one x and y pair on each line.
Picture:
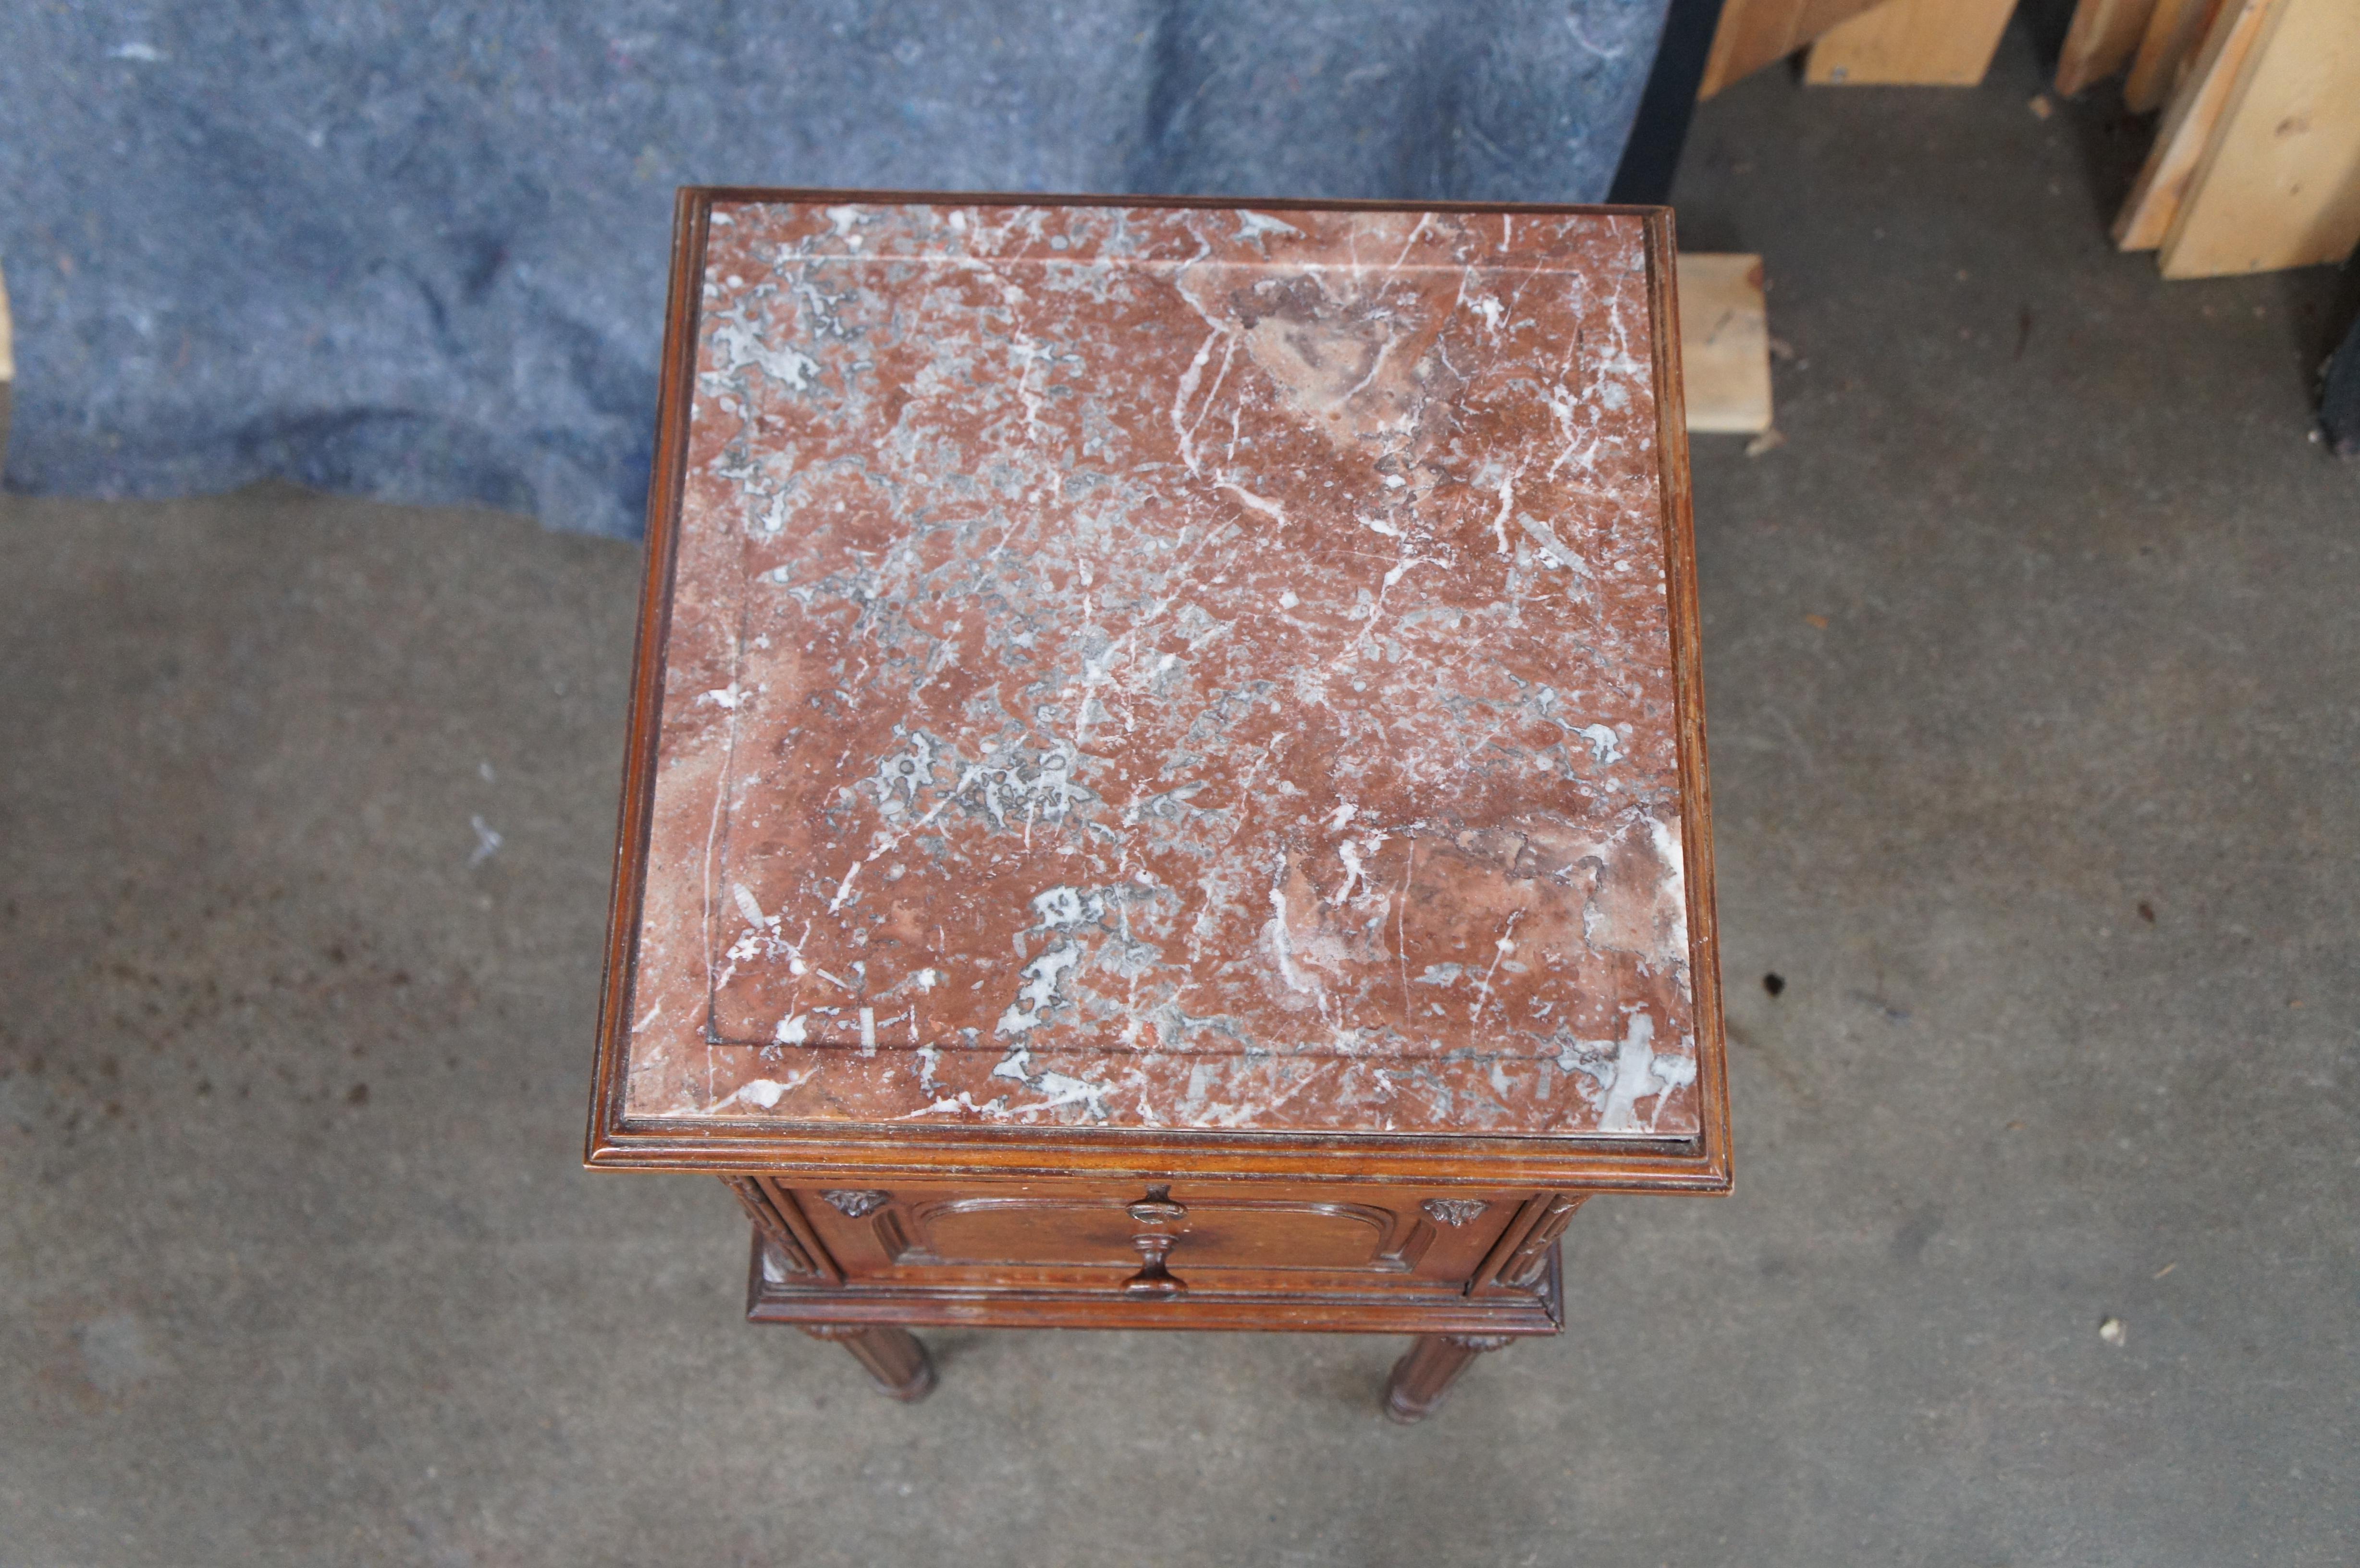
x,y
2152,44
2256,158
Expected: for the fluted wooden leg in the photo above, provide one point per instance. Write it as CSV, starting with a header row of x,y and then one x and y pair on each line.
x,y
1422,1378
893,1355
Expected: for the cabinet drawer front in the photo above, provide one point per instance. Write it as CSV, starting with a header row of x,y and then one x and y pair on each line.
x,y
1089,1236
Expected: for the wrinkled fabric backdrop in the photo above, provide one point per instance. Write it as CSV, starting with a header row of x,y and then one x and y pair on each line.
x,y
417,251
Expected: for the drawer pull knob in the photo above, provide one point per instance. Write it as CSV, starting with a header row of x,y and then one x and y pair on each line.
x,y
1154,1245
1153,1279
1158,1209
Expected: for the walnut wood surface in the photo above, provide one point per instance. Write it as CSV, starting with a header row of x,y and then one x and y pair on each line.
x,y
1236,1235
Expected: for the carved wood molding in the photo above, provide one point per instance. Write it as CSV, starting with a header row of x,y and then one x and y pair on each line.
x,y
1482,1341
854,1202
1453,1211
1524,1265
777,1235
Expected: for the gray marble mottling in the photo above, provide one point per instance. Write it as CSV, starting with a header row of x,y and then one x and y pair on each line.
x,y
416,251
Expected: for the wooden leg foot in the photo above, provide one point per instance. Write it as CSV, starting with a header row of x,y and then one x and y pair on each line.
x,y
893,1355
1422,1378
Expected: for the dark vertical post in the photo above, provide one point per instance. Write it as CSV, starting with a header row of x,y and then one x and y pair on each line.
x,y
1422,1378
2339,403
1651,156
893,1355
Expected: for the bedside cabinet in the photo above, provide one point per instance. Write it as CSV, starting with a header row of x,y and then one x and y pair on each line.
x,y
1166,779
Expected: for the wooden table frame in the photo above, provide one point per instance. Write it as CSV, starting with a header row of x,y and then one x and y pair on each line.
x,y
774,1171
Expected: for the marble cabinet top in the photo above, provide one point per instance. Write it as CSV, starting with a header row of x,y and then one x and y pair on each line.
x,y
1167,666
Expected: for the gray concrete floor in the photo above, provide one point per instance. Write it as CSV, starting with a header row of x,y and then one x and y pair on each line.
x,y
2031,662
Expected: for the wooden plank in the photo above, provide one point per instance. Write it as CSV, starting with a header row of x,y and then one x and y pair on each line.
x,y
2279,186
2104,36
2174,32
1755,33
1724,344
1911,43
2188,126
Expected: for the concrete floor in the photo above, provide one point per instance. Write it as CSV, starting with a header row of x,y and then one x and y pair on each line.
x,y
2031,659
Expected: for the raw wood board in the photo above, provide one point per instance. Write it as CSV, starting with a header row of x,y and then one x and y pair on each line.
x,y
1724,344
1753,33
2189,124
2104,36
1911,43
2280,184
2176,29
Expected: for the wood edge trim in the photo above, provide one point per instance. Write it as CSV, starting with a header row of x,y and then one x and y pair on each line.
x,y
714,195
636,815
868,1156
1678,512
1522,1313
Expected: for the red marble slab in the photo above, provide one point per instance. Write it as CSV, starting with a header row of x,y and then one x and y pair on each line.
x,y
1173,668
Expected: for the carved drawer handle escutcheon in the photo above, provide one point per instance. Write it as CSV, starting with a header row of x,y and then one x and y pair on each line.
x,y
1453,1211
854,1203
1154,1245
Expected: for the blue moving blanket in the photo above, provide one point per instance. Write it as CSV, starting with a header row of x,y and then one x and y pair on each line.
x,y
417,251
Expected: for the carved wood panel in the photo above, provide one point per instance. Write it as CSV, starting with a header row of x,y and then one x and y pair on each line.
x,y
1092,1233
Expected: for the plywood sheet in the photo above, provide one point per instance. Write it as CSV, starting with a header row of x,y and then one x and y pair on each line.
x,y
1911,43
1753,33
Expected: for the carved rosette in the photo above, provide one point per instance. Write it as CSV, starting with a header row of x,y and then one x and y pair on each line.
x,y
1453,1211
